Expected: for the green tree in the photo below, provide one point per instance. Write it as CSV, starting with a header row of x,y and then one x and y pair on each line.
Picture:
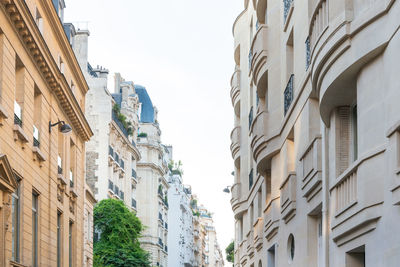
x,y
230,252
118,245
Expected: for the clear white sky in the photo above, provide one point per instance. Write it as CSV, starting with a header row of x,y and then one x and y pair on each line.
x,y
182,51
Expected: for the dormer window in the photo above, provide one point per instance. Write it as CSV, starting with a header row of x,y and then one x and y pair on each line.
x,y
59,5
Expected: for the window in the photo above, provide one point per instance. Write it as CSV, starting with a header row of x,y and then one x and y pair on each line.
x,y
259,197
354,132
37,112
251,179
16,225
19,92
290,248
271,257
39,21
72,164
59,241
356,257
35,210
70,244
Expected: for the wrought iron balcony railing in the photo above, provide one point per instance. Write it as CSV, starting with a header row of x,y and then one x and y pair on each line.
x,y
288,94
250,117
286,8
308,53
110,185
110,151
134,175
17,120
251,179
134,203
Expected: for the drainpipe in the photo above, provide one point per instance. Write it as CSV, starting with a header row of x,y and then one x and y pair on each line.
x,y
325,194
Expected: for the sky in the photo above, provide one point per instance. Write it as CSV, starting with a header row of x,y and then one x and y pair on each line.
x,y
182,52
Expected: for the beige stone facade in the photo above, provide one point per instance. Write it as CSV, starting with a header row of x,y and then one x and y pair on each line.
x,y
42,184
207,251
316,143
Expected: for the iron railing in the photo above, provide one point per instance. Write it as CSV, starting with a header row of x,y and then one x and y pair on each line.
x,y
308,53
134,203
286,7
116,190
288,94
250,58
110,151
36,142
250,117
17,120
119,123
116,157
251,179
110,185
134,175
122,164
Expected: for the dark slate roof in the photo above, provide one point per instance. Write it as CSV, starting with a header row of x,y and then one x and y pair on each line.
x,y
147,112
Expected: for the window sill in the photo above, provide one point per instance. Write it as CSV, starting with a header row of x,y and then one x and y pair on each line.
x,y
3,114
61,179
73,193
39,154
16,264
20,134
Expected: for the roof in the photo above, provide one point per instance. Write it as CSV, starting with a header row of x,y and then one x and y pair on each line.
x,y
147,112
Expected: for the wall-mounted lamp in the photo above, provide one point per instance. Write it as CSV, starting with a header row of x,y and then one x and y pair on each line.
x,y
227,190
65,128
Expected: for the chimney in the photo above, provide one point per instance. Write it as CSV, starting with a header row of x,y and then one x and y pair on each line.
x,y
80,47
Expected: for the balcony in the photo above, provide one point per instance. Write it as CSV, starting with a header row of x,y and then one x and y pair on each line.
x,y
258,233
288,197
311,180
235,143
271,218
160,242
235,92
110,185
235,193
250,244
288,94
160,217
258,141
134,175
134,203
259,48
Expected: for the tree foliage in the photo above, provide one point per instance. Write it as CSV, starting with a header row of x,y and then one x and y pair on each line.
x,y
230,252
118,245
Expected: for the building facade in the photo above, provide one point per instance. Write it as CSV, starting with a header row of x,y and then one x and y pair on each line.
x,y
207,251
43,132
152,184
180,233
316,136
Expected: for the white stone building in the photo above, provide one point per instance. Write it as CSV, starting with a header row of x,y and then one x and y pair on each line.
x,y
180,232
152,184
111,154
316,140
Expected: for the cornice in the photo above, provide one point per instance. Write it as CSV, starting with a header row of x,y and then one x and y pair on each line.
x,y
27,31
151,165
66,48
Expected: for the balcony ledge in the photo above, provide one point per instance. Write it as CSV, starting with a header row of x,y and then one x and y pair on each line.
x,y
38,154
20,134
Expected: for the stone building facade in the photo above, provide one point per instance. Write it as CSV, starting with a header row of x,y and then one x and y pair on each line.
x,y
316,138
152,184
180,233
42,184
207,251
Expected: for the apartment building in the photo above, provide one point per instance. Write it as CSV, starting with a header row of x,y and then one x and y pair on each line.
x,y
43,130
180,233
206,247
316,136
152,186
111,154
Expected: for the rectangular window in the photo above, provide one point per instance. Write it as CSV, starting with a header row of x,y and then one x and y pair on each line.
x,y
72,152
39,21
251,179
59,235
354,132
35,210
16,225
19,92
37,113
70,244
271,257
356,257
